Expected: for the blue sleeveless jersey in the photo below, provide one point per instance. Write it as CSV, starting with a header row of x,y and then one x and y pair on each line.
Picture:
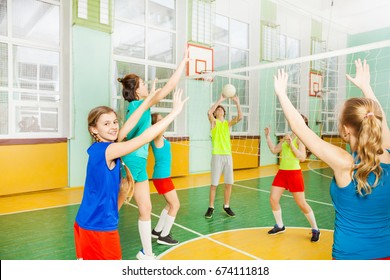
x,y
163,160
99,206
362,224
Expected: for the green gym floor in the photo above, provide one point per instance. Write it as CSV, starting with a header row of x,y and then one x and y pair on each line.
x,y
44,229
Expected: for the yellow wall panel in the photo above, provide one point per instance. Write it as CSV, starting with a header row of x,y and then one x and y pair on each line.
x,y
245,152
27,168
180,159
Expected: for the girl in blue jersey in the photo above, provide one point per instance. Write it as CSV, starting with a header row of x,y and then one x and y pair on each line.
x,y
96,226
162,181
360,188
135,91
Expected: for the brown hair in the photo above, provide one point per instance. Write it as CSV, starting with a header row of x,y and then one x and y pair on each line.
x,y
224,111
364,117
127,183
154,117
130,84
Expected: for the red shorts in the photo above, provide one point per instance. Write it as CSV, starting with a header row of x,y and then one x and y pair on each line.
x,y
97,245
163,185
291,180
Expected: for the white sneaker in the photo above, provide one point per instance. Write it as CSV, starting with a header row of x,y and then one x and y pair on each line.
x,y
142,257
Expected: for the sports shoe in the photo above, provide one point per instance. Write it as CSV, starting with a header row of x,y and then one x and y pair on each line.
x,y
315,235
142,257
167,240
209,213
277,230
229,211
156,234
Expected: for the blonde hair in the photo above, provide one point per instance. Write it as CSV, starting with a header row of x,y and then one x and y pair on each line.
x,y
127,182
364,117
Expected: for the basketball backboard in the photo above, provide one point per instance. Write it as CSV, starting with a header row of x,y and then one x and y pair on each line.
x,y
201,60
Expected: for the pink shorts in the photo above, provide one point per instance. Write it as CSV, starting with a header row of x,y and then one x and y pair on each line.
x,y
97,245
163,185
291,180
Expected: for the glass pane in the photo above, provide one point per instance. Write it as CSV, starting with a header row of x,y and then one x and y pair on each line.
x,y
221,29
239,59
242,90
36,69
218,84
129,40
160,73
36,20
293,48
3,17
131,10
282,47
36,119
239,34
281,124
4,113
294,73
162,13
161,46
3,64
221,57
242,126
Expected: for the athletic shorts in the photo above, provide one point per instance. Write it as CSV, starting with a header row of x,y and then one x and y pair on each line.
x,y
163,185
97,245
291,180
137,166
221,164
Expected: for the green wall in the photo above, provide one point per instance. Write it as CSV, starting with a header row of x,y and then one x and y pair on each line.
x,y
91,72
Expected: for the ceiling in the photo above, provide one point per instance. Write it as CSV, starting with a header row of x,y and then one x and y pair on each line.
x,y
355,16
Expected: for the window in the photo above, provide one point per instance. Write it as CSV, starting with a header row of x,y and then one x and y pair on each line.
x,y
30,66
329,97
144,43
231,51
289,48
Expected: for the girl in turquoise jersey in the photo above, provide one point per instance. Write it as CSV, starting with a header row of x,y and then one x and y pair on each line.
x,y
360,188
163,183
135,91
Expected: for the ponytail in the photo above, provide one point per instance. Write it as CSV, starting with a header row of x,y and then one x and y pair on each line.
x,y
364,117
127,184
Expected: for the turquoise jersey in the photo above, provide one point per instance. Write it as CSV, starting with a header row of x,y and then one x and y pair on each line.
x,y
143,124
362,224
163,160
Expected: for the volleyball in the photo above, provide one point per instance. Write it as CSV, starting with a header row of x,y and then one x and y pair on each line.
x,y
229,91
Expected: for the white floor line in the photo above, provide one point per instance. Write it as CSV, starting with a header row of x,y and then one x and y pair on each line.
x,y
205,236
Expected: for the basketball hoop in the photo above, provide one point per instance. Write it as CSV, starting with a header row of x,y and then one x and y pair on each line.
x,y
207,76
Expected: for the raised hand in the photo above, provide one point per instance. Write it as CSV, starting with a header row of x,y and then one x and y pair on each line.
x,y
267,130
280,82
362,78
153,91
178,103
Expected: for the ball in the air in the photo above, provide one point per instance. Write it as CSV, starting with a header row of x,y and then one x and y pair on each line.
x,y
229,91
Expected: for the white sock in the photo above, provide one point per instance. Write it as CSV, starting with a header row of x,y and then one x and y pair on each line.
x,y
278,218
160,224
226,206
169,220
145,233
312,220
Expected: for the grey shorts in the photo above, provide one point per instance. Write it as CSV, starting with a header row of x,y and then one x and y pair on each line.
x,y
219,164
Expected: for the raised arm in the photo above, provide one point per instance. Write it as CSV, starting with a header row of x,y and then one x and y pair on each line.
x,y
172,82
239,112
300,152
135,117
362,81
338,159
211,111
117,150
275,149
